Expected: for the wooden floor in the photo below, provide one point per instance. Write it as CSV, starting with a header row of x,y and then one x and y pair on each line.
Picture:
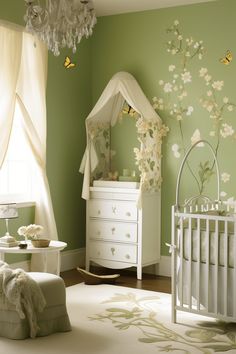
x,y
127,278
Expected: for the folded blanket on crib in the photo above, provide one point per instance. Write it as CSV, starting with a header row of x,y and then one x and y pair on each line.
x,y
19,291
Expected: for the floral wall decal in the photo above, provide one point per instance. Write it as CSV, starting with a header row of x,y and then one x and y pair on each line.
x,y
174,101
99,133
147,155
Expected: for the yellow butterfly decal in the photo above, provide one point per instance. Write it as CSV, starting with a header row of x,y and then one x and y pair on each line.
x,y
129,110
227,58
68,64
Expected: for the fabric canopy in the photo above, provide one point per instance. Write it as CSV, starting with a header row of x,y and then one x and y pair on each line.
x,y
122,87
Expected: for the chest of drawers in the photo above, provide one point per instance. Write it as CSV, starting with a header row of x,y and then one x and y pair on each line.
x,y
120,235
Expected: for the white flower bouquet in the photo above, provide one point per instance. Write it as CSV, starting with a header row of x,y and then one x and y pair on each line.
x,y
31,231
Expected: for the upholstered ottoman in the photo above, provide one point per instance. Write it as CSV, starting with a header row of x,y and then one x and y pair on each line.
x,y
53,318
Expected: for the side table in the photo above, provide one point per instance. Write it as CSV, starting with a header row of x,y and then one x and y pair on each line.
x,y
55,246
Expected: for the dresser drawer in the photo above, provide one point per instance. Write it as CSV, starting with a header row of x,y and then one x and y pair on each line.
x,y
113,252
112,230
112,209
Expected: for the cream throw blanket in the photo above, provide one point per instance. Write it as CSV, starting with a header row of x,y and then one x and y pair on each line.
x,y
20,292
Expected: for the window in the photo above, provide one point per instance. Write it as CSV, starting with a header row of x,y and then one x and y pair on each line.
x,y
22,178
17,169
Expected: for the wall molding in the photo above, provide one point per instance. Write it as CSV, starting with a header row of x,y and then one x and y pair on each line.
x,y
23,265
72,259
76,258
164,267
69,260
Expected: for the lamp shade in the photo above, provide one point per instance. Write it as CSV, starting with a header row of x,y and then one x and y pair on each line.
x,y
8,211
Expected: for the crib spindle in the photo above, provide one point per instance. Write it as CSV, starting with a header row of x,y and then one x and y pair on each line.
x,y
234,276
207,263
225,267
173,267
190,240
181,261
216,267
198,263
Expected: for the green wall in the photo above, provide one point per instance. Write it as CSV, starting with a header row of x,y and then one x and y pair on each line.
x,y
68,103
135,43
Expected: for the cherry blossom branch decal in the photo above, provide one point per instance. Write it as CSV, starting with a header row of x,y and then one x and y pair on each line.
x,y
175,102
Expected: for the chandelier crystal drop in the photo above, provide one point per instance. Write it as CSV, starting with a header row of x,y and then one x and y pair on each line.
x,y
60,23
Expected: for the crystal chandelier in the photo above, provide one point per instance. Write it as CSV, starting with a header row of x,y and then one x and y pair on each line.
x,y
60,23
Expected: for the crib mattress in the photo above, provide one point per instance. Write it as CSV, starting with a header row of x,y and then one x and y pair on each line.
x,y
214,256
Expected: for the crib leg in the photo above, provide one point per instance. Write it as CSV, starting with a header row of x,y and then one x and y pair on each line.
x,y
173,288
173,310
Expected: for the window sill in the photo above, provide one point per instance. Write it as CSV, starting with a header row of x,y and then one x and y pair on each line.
x,y
25,204
19,204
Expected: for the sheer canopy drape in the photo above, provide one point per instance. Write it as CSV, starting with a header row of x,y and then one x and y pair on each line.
x,y
23,76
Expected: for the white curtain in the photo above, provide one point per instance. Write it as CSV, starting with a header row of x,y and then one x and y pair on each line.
x,y
25,80
10,48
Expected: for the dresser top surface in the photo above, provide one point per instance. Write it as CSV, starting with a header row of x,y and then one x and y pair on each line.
x,y
114,190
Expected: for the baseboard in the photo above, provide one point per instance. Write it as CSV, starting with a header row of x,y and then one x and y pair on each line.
x,y
76,258
69,260
163,268
23,265
72,259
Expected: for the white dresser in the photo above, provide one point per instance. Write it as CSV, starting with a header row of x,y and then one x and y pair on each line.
x,y
118,234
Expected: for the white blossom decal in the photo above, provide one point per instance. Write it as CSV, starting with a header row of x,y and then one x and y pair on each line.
x,y
186,77
217,85
223,194
226,130
168,87
189,111
225,177
175,148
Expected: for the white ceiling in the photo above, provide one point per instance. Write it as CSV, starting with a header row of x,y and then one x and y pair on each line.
x,y
111,7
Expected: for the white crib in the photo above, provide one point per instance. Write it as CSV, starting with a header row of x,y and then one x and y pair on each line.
x,y
203,255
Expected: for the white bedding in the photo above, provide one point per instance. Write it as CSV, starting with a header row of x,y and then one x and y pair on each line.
x,y
207,280
212,247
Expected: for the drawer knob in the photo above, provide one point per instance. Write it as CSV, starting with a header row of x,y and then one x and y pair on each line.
x,y
127,256
99,212
113,230
98,233
127,235
128,213
113,251
114,209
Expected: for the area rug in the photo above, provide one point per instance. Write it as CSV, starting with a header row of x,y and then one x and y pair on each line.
x,y
111,319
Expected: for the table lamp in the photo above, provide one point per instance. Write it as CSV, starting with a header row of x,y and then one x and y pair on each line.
x,y
8,211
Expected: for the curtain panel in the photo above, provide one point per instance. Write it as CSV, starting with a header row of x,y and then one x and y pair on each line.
x,y
23,77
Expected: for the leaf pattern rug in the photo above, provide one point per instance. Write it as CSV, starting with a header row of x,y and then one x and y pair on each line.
x,y
110,319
